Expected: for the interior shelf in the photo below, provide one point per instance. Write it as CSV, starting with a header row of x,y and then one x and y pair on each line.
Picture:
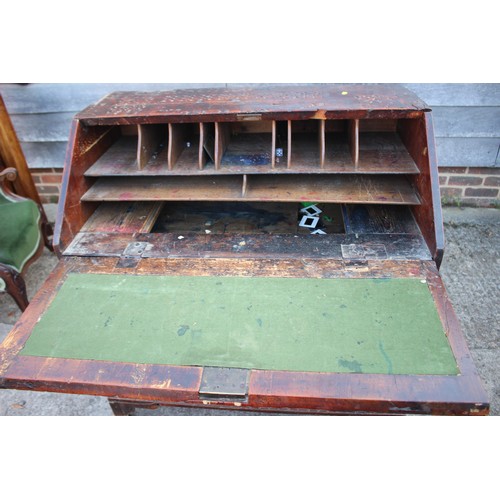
x,y
388,189
306,146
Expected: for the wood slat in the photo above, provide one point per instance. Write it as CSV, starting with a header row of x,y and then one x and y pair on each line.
x,y
333,189
468,152
44,154
467,122
318,188
457,94
123,217
161,188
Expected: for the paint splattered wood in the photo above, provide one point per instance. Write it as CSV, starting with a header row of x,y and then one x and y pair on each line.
x,y
274,102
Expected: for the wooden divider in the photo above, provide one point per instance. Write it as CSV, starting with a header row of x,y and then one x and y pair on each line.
x,y
222,137
273,145
150,137
177,133
353,134
321,143
244,186
289,146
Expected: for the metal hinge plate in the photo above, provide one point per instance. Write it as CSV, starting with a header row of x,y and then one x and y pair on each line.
x,y
224,383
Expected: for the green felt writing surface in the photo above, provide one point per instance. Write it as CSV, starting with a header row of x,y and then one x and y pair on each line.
x,y
297,324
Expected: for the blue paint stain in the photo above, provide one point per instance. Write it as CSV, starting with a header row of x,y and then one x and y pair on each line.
x,y
182,330
353,366
386,357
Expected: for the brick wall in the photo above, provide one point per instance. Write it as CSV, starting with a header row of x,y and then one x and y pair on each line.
x,y
470,186
48,183
465,186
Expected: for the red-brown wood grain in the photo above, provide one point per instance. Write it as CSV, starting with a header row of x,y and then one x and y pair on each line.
x,y
268,390
276,103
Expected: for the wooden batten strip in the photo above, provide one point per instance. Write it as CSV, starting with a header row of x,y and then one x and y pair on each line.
x,y
149,139
321,142
289,147
354,140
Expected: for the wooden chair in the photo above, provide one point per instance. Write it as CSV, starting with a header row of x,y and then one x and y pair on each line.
x,y
21,238
12,156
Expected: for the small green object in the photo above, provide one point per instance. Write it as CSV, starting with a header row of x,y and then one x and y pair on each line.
x,y
309,203
294,324
327,219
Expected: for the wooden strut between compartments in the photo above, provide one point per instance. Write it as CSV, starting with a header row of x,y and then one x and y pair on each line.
x,y
222,138
149,139
177,133
321,143
289,152
353,133
273,145
202,155
244,186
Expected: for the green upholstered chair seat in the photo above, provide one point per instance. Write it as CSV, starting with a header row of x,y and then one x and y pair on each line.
x,y
19,231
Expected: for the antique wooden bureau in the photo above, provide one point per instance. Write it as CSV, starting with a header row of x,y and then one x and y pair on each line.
x,y
269,249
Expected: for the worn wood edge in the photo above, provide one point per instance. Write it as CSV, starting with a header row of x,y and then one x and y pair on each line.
x,y
77,155
169,246
435,191
331,393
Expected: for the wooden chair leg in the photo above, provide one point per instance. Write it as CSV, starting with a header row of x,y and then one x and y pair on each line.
x,y
47,235
15,286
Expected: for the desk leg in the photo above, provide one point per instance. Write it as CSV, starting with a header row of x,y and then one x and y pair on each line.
x,y
120,408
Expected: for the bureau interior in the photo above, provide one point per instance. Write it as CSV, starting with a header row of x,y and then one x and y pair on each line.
x,y
176,177
328,145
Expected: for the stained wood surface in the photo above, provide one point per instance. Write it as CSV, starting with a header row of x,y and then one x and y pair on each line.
x,y
86,145
464,117
151,140
357,248
316,188
227,218
217,104
296,391
178,134
123,217
418,137
379,153
246,151
222,138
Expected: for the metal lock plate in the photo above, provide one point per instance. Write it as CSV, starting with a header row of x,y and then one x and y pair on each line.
x,y
136,249
224,383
